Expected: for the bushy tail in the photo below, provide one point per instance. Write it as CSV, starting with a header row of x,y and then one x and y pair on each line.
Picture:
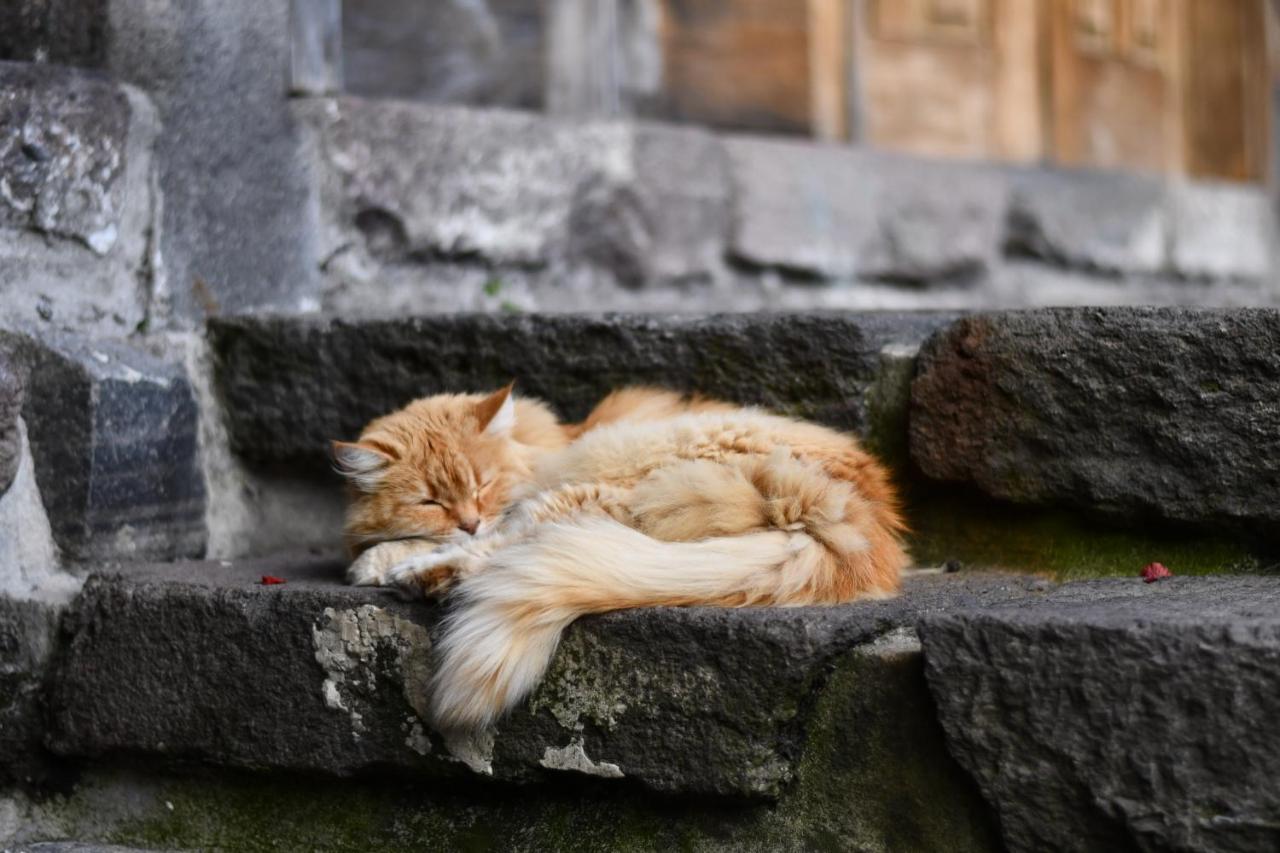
x,y
507,620
748,530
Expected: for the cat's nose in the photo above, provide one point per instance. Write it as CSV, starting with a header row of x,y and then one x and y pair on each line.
x,y
471,525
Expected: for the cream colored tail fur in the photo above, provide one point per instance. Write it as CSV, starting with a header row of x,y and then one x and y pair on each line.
x,y
507,619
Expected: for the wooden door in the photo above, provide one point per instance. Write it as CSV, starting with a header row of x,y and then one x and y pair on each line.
x,y
1115,99
1175,86
950,77
1227,115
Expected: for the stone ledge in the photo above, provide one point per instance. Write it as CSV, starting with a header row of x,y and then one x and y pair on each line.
x,y
197,662
1139,412
597,204
1112,715
289,386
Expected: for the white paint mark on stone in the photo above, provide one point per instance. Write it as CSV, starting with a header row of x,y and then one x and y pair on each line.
x,y
574,758
896,351
347,645
103,239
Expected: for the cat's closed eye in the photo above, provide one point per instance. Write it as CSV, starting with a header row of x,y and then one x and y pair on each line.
x,y
429,502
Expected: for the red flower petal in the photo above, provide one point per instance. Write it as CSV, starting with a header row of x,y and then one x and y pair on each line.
x,y
271,580
1154,572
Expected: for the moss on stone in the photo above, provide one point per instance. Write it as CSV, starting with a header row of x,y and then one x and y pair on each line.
x,y
873,775
981,533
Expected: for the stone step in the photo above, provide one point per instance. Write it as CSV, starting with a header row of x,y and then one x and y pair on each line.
x,y
813,722
1125,435
291,385
1138,412
1117,715
1094,716
199,661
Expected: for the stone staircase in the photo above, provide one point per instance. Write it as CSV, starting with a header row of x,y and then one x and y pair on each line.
x,y
976,710
175,354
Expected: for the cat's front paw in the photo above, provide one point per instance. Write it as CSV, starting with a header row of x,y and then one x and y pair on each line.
x,y
428,575
373,567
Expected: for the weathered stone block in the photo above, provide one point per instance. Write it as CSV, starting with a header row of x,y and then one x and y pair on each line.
x,y
1115,715
62,148
1110,222
292,385
682,177
239,237
200,662
411,182
413,178
1170,412
28,630
77,216
845,213
1125,224
1221,231
113,434
10,436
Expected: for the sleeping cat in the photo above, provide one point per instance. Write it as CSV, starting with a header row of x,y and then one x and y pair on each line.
x,y
657,503
442,468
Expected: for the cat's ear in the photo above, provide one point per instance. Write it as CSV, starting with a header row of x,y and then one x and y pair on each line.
x,y
497,413
361,463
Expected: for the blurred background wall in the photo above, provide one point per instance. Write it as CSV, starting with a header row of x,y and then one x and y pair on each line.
x,y
418,156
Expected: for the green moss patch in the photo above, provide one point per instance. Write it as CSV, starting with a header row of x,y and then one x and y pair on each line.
x,y
985,534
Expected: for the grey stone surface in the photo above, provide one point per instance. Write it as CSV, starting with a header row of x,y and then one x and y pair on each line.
x,y
410,178
873,775
28,631
62,145
236,237
78,208
479,53
841,213
1116,715
1134,225
201,662
113,435
290,386
1168,412
405,183
10,438
1223,231
29,564
1115,223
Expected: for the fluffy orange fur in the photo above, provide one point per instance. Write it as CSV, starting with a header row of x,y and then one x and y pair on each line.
x,y
652,500
432,469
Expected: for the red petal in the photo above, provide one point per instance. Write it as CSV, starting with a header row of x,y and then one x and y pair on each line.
x,y
1154,572
271,580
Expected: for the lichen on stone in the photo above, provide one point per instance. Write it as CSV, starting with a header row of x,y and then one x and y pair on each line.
x,y
573,757
347,644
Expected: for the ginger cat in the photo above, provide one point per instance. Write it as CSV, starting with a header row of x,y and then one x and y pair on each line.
x,y
654,502
442,468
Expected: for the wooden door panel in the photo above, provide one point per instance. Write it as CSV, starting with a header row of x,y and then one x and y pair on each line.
x,y
1225,101
741,64
1114,98
951,77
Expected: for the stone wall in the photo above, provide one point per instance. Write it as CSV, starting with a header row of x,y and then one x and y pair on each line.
x,y
203,280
